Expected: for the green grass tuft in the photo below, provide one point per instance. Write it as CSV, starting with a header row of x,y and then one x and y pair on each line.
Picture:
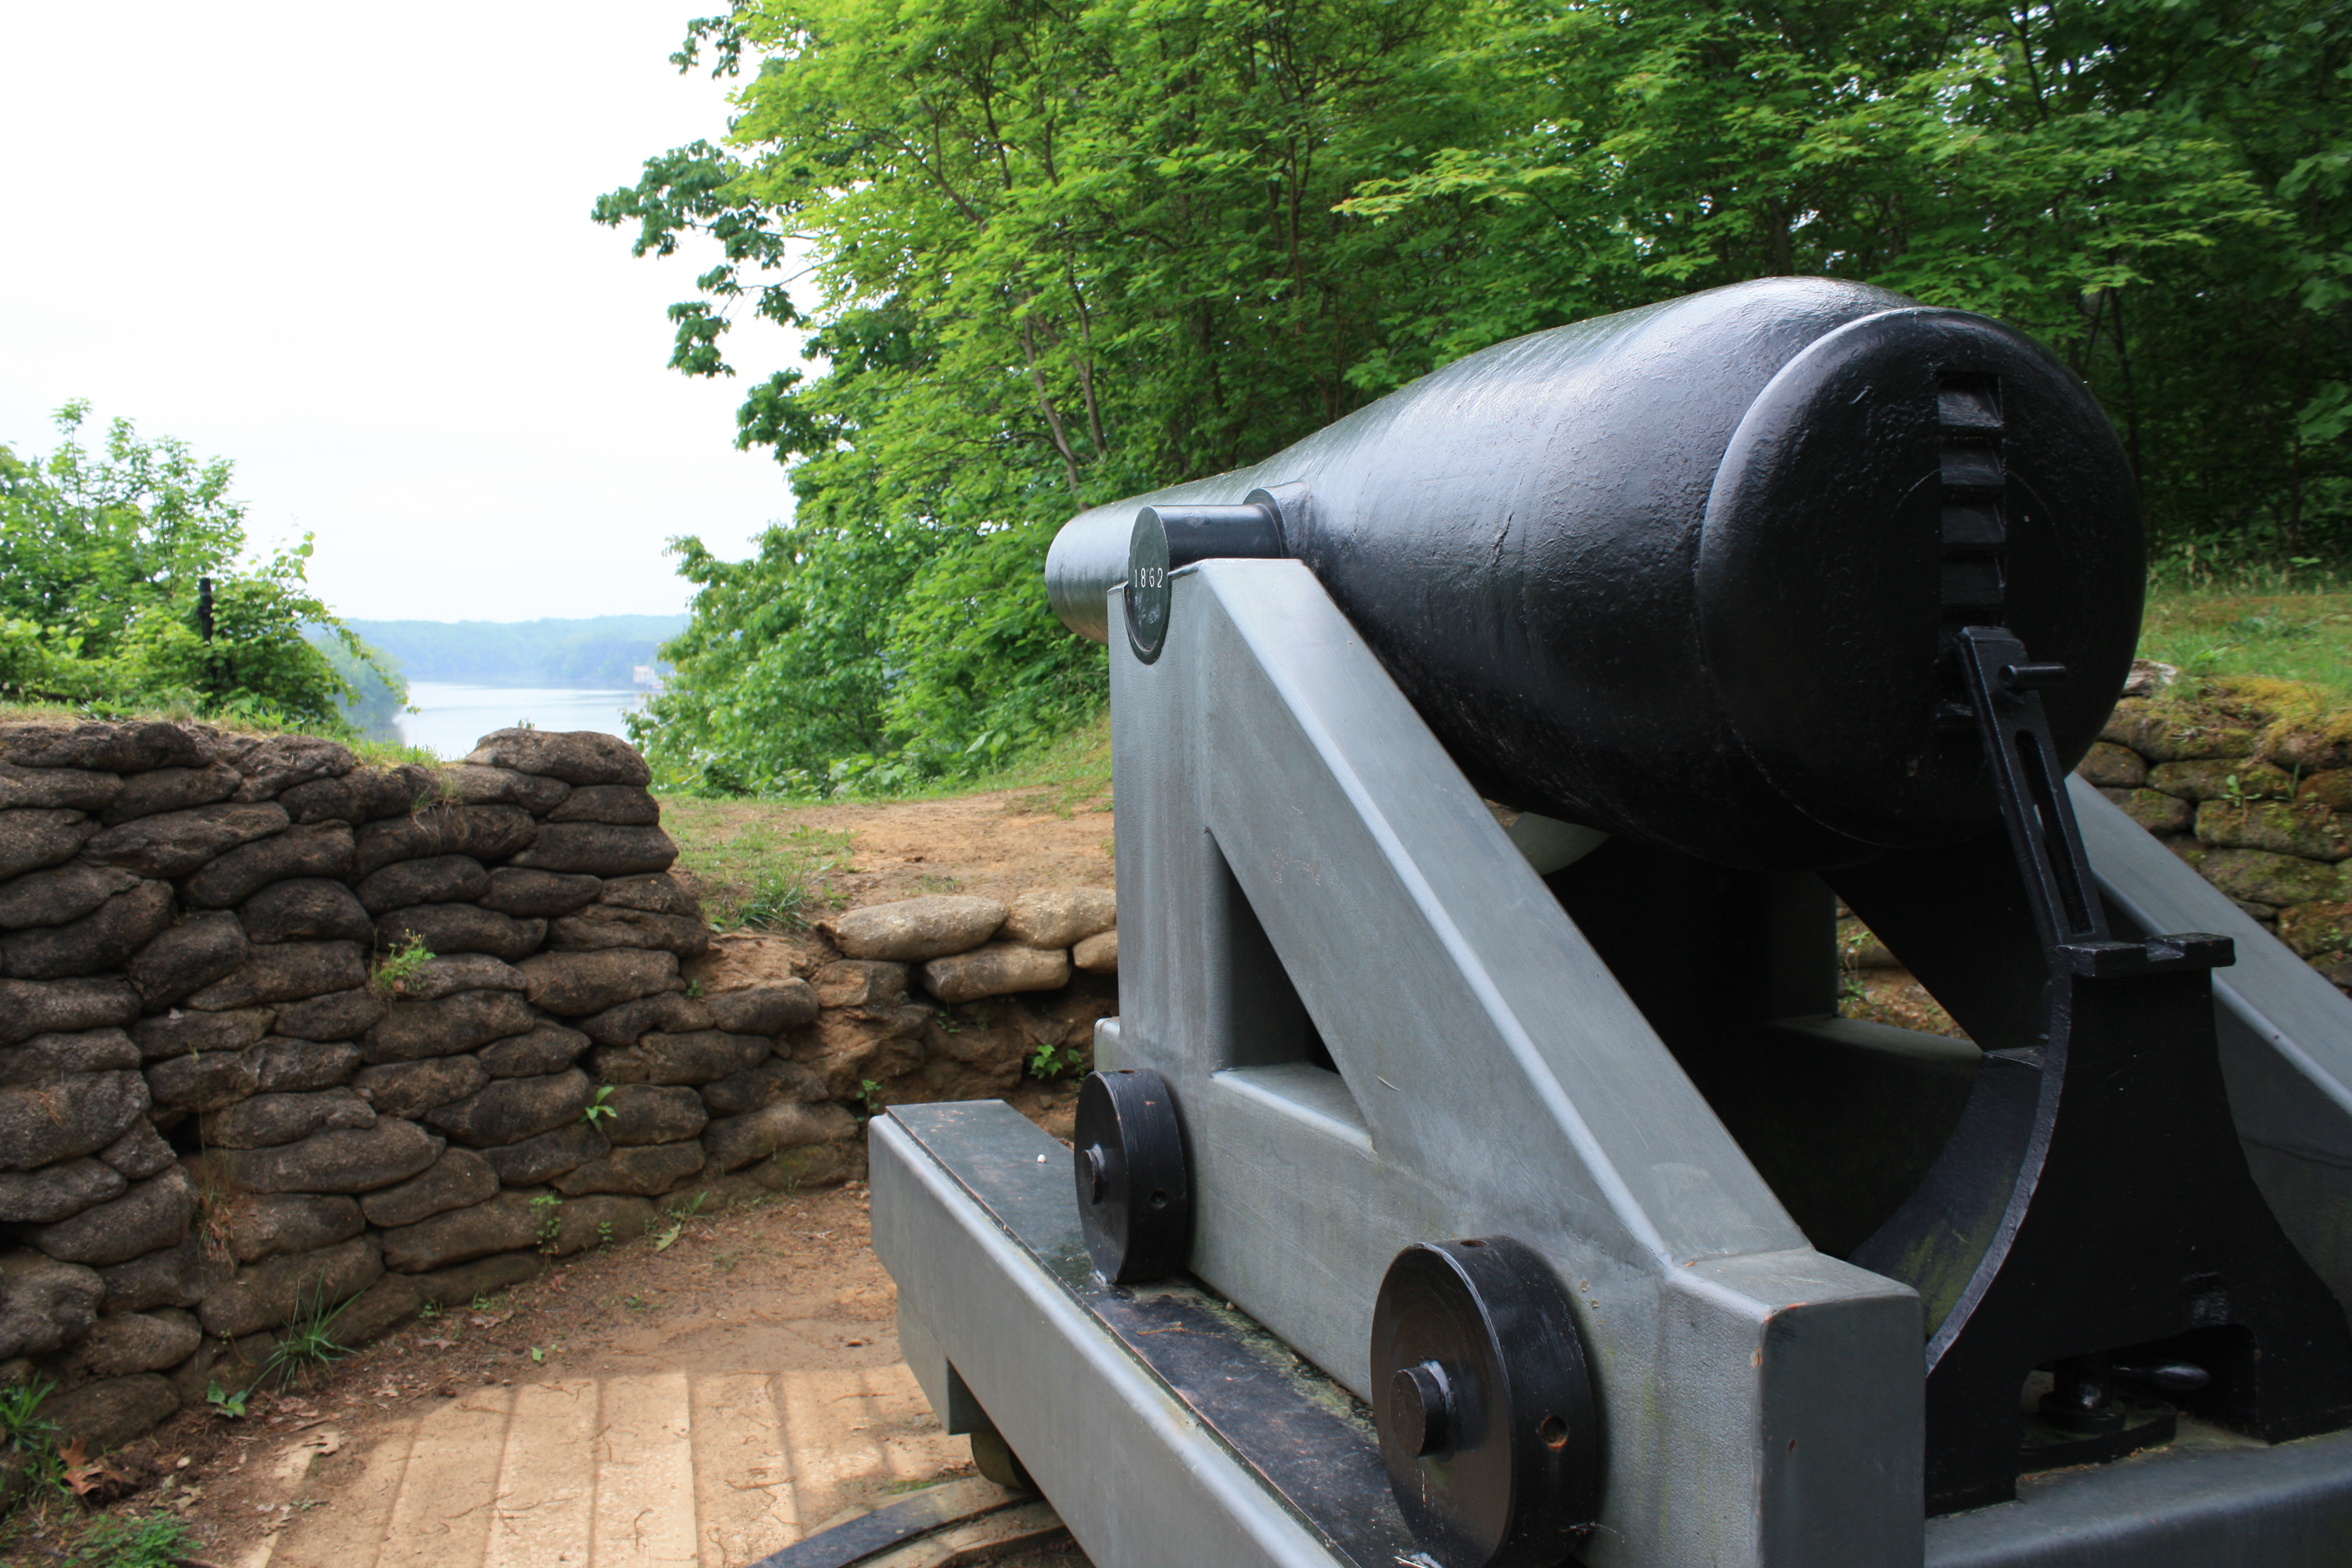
x,y
2298,637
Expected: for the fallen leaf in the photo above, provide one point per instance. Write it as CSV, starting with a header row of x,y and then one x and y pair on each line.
x,y
86,1475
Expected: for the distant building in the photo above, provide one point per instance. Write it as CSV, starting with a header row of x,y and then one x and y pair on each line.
x,y
648,678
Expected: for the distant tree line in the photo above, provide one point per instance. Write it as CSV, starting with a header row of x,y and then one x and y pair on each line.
x,y
1065,253
591,651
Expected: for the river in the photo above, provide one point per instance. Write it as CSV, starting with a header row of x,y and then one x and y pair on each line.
x,y
449,718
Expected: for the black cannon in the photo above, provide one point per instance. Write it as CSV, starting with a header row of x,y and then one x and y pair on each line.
x,y
1591,1228
1695,571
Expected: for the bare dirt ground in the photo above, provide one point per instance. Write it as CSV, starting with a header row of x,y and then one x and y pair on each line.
x,y
996,846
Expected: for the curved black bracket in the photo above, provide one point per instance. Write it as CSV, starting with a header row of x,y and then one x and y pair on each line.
x,y
2093,1206
871,1534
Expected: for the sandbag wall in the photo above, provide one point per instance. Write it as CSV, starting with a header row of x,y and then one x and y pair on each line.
x,y
2264,813
221,1108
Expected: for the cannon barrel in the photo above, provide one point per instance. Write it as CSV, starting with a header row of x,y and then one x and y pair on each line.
x,y
1694,573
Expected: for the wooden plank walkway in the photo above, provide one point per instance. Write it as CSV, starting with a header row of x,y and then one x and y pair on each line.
x,y
711,1470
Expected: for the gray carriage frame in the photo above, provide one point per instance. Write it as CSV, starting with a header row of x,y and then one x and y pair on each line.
x,y
1762,1402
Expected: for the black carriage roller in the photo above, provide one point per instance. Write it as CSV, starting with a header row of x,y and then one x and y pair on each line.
x,y
1695,572
1135,1200
1484,1406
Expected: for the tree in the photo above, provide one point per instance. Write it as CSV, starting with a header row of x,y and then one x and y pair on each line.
x,y
1070,253
1067,255
102,563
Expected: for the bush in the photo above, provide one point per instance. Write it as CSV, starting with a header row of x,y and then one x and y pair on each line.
x,y
103,566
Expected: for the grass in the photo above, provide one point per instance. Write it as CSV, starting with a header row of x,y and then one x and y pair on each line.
x,y
2218,631
1073,774
159,1540
309,1344
28,1443
754,875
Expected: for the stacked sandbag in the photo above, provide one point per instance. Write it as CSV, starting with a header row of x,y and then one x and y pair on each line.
x,y
2259,802
950,997
226,1101
2263,813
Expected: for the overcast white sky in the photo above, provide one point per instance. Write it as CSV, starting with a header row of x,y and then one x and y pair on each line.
x,y
348,247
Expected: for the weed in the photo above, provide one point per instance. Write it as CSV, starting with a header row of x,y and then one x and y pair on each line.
x,y
676,1226
1050,1061
538,1353
914,1484
428,1311
596,1112
19,1427
635,1303
33,1437
309,1346
604,1235
693,990
396,969
551,1221
724,1262
929,884
159,1540
783,1159
870,1093
227,1406
485,1303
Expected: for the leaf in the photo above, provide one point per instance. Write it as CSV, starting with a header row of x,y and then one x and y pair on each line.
x,y
86,1475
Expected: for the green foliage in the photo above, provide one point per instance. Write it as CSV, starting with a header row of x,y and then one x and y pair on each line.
x,y
550,1209
227,1406
1070,253
394,969
19,1426
753,877
2300,636
595,1113
309,1344
159,1540
1050,1062
101,558
379,692
29,1442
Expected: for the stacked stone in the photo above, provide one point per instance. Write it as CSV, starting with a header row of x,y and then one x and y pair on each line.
x,y
2273,831
1004,982
217,1112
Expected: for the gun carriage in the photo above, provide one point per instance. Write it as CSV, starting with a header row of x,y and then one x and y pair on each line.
x,y
1457,1195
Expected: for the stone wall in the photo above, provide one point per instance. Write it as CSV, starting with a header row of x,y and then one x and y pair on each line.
x,y
225,1102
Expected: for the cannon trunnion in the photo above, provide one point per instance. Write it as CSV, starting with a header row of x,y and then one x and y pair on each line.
x,y
1462,1196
